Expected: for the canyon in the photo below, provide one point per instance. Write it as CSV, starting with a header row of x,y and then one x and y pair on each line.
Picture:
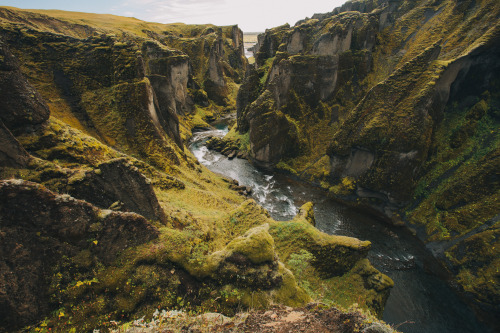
x,y
106,216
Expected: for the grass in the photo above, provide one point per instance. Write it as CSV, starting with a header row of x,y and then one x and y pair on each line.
x,y
207,222
106,23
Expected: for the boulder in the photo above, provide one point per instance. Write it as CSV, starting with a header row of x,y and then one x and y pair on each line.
x,y
38,230
250,261
119,181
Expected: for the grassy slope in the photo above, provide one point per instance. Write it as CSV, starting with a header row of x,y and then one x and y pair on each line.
x,y
64,22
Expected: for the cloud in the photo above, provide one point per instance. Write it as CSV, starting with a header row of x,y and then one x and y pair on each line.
x,y
174,10
256,15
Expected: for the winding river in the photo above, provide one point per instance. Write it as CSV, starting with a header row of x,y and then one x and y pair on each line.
x,y
420,302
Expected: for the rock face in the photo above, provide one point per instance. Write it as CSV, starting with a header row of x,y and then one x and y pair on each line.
x,y
375,104
22,109
217,59
38,230
311,62
169,74
12,154
21,105
118,182
100,79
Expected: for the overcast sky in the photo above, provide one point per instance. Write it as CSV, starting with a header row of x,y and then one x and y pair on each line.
x,y
251,16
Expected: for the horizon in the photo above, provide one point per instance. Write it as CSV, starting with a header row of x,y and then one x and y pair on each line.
x,y
217,12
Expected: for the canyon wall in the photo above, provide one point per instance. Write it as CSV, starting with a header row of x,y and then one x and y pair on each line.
x,y
106,217
392,105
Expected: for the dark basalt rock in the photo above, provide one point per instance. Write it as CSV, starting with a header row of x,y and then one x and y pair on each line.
x,y
272,134
248,92
21,106
38,229
12,154
169,73
119,181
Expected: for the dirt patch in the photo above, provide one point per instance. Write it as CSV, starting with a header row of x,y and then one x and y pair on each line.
x,y
314,317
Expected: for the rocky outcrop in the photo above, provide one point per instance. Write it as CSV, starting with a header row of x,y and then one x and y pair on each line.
x,y
169,74
12,153
247,261
268,43
216,84
217,60
227,147
384,112
22,107
306,212
337,259
38,230
119,185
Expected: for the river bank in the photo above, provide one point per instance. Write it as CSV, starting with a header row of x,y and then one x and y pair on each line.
x,y
421,301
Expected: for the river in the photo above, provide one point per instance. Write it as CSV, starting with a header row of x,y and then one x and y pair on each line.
x,y
420,302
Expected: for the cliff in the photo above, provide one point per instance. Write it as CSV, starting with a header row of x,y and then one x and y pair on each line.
x,y
392,105
105,217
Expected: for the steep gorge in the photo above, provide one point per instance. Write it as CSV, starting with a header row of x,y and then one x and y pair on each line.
x,y
392,105
105,216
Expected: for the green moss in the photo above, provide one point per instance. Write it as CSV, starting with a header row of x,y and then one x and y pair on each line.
x,y
451,203
306,213
290,292
345,187
242,140
330,268
476,261
62,143
102,106
345,251
264,71
257,245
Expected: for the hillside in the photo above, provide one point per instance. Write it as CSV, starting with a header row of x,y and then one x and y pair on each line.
x,y
392,106
106,217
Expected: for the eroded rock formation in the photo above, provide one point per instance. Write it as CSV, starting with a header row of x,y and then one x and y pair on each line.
x,y
39,229
390,104
156,229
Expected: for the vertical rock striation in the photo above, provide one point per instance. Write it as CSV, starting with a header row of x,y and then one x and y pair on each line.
x,y
392,104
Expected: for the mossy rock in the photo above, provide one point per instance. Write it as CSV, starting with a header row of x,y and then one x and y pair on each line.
x,y
306,212
256,244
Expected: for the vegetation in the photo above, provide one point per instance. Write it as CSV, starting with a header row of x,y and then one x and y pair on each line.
x,y
394,107
124,96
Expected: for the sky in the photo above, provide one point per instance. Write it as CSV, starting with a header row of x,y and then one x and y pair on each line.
x,y
251,16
